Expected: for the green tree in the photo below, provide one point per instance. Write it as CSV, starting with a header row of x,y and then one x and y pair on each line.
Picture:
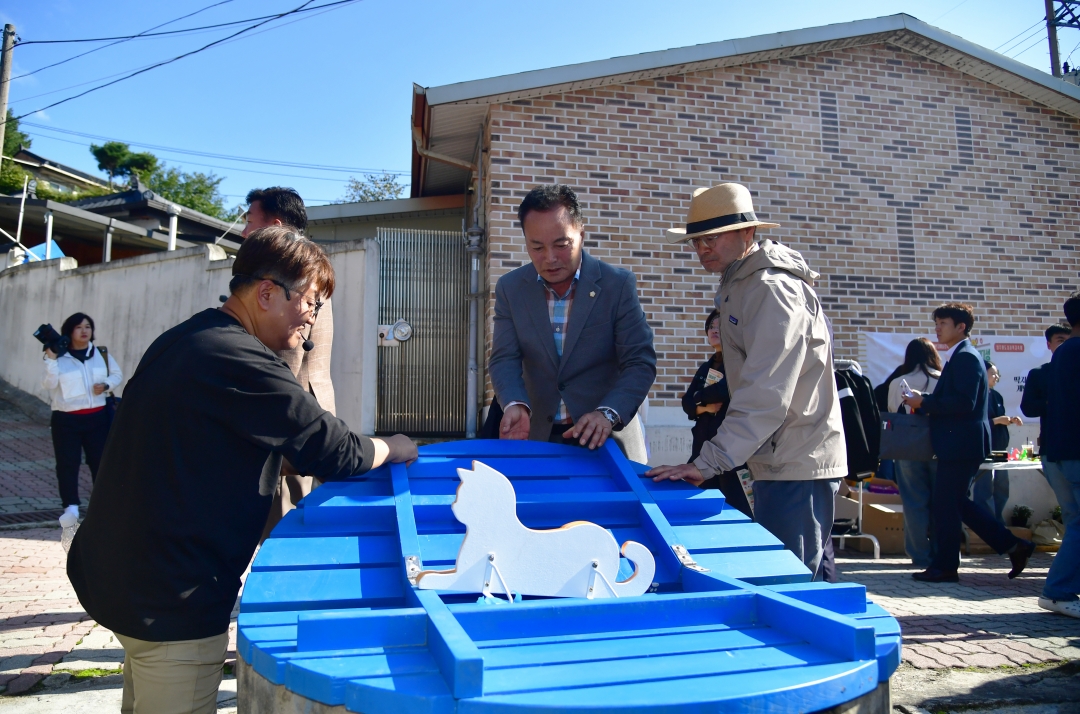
x,y
196,190
111,157
374,187
13,138
143,165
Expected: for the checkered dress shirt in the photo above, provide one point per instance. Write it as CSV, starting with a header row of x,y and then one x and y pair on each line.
x,y
559,313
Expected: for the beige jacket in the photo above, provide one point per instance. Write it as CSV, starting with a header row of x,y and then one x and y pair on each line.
x,y
312,369
783,420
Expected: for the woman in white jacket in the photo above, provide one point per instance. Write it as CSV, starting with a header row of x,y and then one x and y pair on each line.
x,y
78,382
921,369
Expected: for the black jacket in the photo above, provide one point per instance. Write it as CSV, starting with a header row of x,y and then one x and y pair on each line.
x,y
697,395
959,427
1061,425
188,475
859,410
999,433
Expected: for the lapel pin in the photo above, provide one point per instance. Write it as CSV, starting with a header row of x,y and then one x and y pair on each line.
x,y
592,293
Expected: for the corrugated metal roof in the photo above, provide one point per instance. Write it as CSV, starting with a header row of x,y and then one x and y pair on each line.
x,y
454,108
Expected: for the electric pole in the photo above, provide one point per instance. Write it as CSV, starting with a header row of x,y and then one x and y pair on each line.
x,y
1067,14
5,77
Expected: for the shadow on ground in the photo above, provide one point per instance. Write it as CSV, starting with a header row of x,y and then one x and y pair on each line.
x,y
950,689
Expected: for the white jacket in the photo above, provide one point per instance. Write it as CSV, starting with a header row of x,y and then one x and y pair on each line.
x,y
918,380
783,419
71,382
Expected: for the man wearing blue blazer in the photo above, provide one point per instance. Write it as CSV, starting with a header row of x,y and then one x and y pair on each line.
x,y
960,432
572,355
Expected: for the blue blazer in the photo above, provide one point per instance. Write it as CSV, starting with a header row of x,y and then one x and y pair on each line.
x,y
959,420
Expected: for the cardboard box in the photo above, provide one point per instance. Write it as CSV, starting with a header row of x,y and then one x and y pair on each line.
x,y
884,521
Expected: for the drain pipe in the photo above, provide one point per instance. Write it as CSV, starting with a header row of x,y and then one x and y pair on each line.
x,y
474,238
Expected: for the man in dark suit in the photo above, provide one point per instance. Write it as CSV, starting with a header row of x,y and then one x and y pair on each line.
x,y
572,355
1033,401
960,432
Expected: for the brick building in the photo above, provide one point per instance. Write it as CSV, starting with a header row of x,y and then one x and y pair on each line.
x,y
908,165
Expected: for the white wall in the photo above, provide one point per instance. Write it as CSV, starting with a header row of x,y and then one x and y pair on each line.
x,y
134,300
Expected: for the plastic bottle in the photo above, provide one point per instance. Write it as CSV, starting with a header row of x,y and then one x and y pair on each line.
x,y
70,523
1029,450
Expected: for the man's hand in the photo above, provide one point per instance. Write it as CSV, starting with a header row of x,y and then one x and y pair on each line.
x,y
710,408
99,388
1016,420
682,472
591,430
394,449
914,401
515,423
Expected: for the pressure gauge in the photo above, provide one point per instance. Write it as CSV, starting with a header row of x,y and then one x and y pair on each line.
x,y
402,331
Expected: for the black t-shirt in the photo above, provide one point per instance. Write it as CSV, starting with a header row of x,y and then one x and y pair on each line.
x,y
188,475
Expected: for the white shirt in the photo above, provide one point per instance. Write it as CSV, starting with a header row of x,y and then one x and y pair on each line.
x,y
71,382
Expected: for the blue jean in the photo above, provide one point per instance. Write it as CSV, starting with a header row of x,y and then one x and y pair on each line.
x,y
991,492
1063,580
916,482
800,514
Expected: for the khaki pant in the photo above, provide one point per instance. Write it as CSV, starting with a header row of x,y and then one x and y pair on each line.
x,y
179,677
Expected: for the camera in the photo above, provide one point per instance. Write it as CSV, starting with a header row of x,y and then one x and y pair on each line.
x,y
52,340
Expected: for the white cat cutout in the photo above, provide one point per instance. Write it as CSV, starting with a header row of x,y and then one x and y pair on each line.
x,y
500,555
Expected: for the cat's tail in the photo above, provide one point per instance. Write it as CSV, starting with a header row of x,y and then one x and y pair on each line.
x,y
644,570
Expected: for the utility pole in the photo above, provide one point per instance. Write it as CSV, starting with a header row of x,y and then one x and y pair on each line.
x,y
1066,15
5,77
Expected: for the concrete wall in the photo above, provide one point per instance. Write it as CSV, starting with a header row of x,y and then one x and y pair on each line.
x,y
134,300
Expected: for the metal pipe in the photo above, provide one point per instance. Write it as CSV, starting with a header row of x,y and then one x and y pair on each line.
x,y
29,256
22,209
107,257
418,139
6,46
174,214
48,234
473,248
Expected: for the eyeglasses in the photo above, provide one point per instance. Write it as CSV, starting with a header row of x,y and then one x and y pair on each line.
x,y
708,241
312,306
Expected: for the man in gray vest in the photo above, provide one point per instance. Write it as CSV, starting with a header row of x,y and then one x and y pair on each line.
x,y
784,418
572,356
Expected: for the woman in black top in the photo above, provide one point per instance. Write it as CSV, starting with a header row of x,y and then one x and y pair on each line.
x,y
991,488
706,403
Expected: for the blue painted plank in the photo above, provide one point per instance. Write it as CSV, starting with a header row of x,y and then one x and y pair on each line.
x,y
761,567
293,526
515,468
844,637
544,618
321,589
456,654
325,679
591,484
731,537
610,635
343,509
415,694
785,659
843,598
320,552
378,628
283,617
272,659
798,689
592,651
481,448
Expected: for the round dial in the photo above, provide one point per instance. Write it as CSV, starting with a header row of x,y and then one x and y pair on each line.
x,y
402,330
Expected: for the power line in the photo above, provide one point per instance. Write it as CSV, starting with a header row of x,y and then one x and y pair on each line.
x,y
1016,44
1028,47
119,40
226,157
180,57
185,162
148,33
1039,22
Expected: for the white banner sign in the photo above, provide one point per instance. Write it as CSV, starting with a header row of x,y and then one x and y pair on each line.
x,y
1013,356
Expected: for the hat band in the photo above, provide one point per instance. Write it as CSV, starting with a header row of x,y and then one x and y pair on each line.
x,y
720,222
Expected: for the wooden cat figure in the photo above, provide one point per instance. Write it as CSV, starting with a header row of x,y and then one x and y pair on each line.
x,y
499,554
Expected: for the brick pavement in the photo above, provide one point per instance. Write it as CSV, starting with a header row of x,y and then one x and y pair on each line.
x,y
27,465
985,620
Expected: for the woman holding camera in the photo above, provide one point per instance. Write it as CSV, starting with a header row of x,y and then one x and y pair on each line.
x,y
78,380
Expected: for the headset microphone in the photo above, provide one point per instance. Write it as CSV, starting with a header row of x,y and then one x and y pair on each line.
x,y
308,345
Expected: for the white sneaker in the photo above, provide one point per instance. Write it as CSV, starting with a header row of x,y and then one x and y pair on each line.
x,y
70,517
1065,607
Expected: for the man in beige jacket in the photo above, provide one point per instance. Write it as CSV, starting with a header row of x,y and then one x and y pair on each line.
x,y
784,419
277,206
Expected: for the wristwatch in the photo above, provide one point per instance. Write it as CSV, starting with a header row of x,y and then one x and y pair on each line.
x,y
610,414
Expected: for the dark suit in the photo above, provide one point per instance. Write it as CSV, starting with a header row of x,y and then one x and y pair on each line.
x,y
607,359
960,432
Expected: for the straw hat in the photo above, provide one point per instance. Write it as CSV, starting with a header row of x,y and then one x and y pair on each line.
x,y
722,208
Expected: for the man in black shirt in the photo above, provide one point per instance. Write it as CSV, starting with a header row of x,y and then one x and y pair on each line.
x,y
191,467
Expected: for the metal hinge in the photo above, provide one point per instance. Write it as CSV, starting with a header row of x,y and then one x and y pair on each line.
x,y
412,568
684,557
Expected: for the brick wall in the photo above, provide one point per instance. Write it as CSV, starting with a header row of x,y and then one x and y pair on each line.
x,y
903,182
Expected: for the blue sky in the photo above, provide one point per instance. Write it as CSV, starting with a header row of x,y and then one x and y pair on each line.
x,y
333,87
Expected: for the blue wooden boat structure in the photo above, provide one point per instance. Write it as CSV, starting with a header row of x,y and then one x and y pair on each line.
x,y
733,623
